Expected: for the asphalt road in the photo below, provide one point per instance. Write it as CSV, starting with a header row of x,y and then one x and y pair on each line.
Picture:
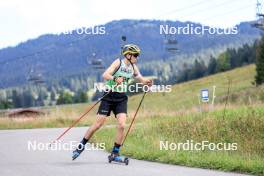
x,y
17,160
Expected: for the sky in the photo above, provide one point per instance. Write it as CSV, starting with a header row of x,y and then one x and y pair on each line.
x,y
27,19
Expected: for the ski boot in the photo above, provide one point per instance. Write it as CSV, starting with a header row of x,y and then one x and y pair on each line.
x,y
117,158
76,153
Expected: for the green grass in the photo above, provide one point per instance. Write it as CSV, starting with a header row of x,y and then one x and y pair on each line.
x,y
244,126
185,95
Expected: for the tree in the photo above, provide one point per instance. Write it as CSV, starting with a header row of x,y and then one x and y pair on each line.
x,y
211,66
198,70
235,59
223,62
83,97
80,97
65,98
6,104
259,78
28,99
184,74
16,99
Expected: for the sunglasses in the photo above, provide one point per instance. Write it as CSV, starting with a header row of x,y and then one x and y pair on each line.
x,y
135,55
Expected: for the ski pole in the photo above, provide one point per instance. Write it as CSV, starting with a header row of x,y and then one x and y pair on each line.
x,y
75,122
134,117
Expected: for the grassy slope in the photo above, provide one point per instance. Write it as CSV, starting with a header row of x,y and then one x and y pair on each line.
x,y
243,126
175,118
183,97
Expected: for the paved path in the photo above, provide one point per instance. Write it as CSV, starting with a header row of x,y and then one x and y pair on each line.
x,y
17,160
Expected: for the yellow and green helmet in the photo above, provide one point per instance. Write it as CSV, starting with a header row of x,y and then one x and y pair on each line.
x,y
131,49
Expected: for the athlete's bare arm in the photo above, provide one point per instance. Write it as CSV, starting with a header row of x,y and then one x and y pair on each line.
x,y
140,78
108,74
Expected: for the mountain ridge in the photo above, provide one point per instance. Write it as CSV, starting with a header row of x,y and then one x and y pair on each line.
x,y
60,55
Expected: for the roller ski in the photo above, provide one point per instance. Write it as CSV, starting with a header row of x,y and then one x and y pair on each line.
x,y
117,158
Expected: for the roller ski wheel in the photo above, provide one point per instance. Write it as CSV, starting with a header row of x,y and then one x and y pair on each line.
x,y
126,161
118,159
110,159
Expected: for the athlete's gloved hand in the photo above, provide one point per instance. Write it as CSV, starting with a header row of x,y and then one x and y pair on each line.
x,y
119,80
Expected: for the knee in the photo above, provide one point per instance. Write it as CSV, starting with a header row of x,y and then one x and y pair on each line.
x,y
98,125
121,126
